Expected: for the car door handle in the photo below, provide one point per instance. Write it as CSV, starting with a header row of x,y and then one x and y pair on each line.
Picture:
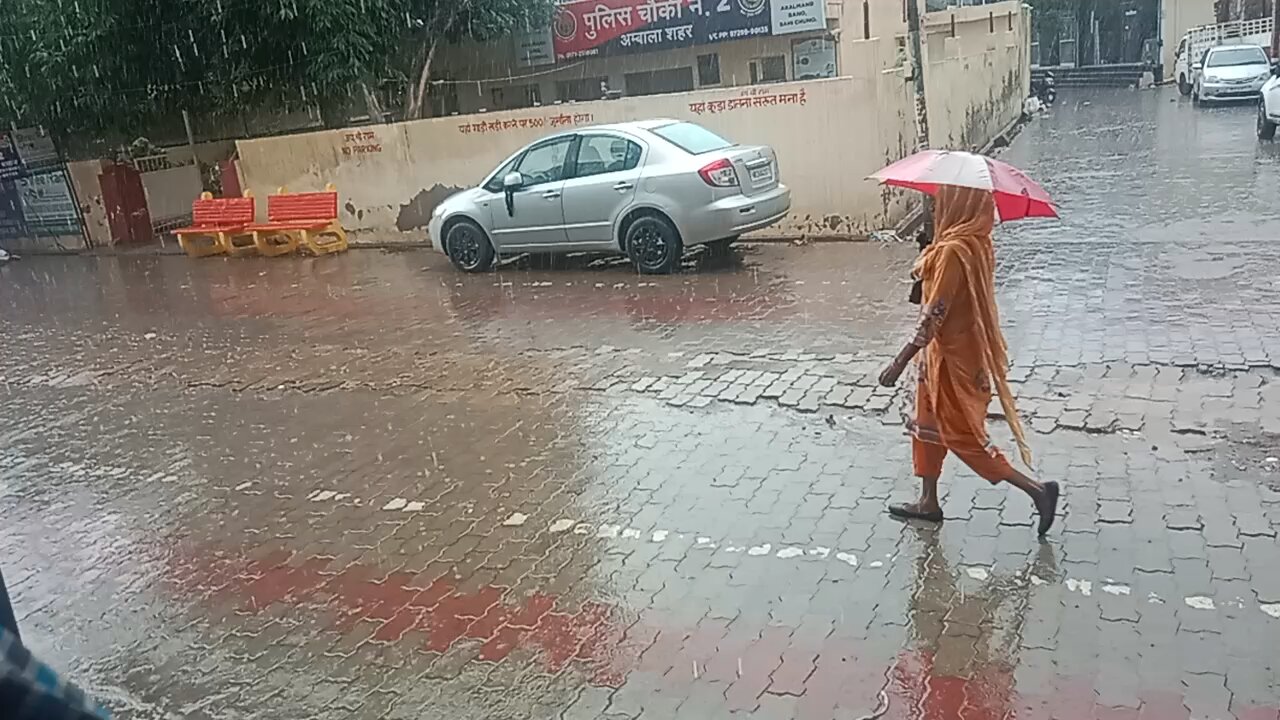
x,y
551,194
623,186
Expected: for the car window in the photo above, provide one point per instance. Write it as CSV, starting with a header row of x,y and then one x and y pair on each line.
x,y
544,163
600,154
495,182
1237,56
693,139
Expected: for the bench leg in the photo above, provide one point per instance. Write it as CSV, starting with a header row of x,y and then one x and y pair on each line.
x,y
272,244
241,247
201,244
329,240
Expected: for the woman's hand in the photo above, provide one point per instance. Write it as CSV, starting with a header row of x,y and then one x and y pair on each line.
x,y
889,376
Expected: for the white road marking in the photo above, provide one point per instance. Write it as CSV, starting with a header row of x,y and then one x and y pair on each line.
x,y
1199,602
515,520
1084,587
977,573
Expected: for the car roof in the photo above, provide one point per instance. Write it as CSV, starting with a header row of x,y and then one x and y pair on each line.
x,y
1217,48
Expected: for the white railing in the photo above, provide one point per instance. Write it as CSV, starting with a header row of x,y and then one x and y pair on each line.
x,y
1232,30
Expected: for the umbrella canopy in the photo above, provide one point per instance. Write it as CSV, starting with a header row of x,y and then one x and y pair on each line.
x,y
1017,196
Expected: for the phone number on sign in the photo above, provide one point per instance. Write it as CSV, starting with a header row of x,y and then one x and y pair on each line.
x,y
738,33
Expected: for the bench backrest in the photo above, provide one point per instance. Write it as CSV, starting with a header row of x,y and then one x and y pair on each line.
x,y
302,206
222,211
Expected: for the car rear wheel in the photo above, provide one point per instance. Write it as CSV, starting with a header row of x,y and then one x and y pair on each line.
x,y
1184,87
1266,128
653,245
468,247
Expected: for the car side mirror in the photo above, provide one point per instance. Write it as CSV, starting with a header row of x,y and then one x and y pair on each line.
x,y
1195,67
510,184
1275,68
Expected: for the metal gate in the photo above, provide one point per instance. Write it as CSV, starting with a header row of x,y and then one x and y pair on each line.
x,y
38,207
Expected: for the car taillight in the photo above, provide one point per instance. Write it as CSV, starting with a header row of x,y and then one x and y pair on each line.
x,y
720,174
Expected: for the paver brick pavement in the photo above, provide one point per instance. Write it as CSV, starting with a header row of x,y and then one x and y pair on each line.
x,y
368,487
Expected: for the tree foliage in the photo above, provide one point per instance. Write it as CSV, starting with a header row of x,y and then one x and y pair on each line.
x,y
117,64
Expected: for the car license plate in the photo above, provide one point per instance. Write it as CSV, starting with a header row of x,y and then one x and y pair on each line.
x,y
762,175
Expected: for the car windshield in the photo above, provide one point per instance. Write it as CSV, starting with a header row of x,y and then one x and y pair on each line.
x,y
693,139
1237,56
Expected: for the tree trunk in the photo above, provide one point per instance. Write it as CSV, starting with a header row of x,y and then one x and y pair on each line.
x,y
372,105
418,93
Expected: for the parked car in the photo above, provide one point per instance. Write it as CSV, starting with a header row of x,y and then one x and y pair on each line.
x,y
1231,72
1269,106
649,189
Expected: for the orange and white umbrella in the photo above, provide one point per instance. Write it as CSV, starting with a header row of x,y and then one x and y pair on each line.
x,y
1017,196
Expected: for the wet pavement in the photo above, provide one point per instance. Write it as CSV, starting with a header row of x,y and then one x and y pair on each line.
x,y
366,486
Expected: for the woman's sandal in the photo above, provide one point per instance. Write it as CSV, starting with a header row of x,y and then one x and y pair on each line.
x,y
911,511
1047,505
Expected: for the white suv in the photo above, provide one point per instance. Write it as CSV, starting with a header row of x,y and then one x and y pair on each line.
x,y
1269,106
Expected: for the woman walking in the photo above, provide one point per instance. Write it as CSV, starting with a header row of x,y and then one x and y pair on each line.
x,y
962,358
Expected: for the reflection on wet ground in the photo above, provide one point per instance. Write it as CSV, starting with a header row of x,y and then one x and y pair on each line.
x,y
366,486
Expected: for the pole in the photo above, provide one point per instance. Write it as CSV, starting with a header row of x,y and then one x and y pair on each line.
x,y
922,108
917,74
1275,33
191,138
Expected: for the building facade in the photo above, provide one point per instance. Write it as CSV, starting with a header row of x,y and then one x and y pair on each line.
x,y
598,49
832,117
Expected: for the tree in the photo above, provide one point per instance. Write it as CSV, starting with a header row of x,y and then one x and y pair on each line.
x,y
117,65
450,21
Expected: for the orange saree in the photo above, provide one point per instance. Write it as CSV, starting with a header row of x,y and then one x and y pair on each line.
x,y
964,357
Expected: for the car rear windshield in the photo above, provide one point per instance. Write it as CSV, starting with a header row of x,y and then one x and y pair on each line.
x,y
1237,56
693,139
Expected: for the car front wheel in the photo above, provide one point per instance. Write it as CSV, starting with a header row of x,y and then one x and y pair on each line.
x,y
1184,87
654,245
468,247
1266,128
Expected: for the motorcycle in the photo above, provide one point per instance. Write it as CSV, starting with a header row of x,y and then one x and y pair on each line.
x,y
1045,89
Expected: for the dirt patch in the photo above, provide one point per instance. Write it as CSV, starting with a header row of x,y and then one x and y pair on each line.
x,y
417,213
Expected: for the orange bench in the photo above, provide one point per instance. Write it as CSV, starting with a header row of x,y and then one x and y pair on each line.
x,y
215,224
306,219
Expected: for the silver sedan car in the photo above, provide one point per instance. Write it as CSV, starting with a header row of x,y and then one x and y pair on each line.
x,y
649,189
1231,72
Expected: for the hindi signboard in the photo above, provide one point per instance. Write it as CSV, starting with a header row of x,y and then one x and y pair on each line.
x,y
35,148
589,28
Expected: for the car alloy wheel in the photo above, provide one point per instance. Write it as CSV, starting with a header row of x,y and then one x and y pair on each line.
x,y
468,248
654,245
